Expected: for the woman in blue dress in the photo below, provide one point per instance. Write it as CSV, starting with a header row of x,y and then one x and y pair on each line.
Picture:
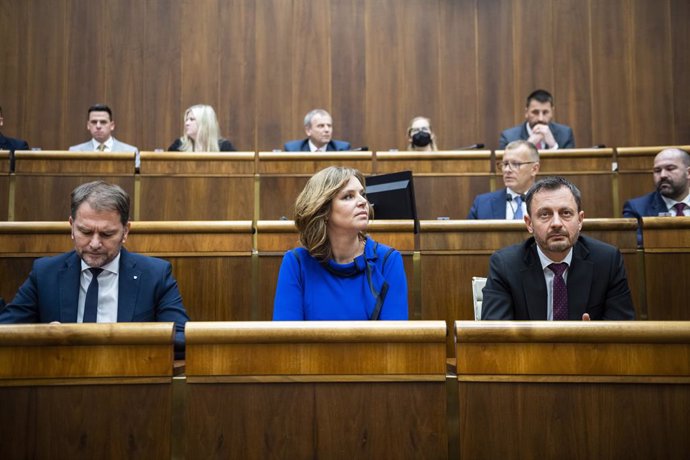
x,y
339,273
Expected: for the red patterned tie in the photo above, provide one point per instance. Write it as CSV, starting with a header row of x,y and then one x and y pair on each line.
x,y
679,207
560,292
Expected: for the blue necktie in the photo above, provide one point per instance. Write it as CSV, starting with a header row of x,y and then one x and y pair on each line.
x,y
91,302
518,207
560,292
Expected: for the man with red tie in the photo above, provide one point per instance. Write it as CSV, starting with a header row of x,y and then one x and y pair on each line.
x,y
557,274
539,129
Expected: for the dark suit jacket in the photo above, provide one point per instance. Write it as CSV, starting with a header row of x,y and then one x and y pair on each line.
x,y
490,205
562,133
597,284
303,146
224,145
650,204
147,292
12,144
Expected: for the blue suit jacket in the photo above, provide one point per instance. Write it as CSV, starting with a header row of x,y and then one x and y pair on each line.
x,y
490,205
562,133
12,144
650,204
597,283
147,292
303,146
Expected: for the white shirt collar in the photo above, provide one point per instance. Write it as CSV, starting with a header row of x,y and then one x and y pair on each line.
x,y
113,266
108,144
669,202
314,148
545,261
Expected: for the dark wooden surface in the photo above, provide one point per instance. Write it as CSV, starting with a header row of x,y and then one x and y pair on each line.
x,y
468,65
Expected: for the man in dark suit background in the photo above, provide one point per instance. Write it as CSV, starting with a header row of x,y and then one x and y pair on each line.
x,y
520,166
539,128
318,125
672,181
99,281
522,282
10,143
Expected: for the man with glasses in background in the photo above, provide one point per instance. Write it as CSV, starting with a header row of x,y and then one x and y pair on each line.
x,y
519,166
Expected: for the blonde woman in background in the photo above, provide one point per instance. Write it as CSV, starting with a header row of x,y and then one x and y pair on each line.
x,y
201,132
420,137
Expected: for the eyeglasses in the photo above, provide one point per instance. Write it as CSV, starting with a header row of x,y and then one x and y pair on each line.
x,y
416,130
514,165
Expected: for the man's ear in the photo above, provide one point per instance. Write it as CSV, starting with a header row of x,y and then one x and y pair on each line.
x,y
528,223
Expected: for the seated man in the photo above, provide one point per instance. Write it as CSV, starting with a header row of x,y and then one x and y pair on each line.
x,y
557,274
318,125
99,281
539,128
520,165
672,181
10,143
100,124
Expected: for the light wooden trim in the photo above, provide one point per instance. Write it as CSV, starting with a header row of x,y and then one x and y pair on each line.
x,y
569,153
314,156
438,155
573,351
317,350
51,353
644,151
67,155
197,156
192,226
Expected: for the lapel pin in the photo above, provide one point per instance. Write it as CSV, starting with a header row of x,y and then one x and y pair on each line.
x,y
135,276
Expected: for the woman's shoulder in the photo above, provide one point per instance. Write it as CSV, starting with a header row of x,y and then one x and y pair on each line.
x,y
380,249
175,146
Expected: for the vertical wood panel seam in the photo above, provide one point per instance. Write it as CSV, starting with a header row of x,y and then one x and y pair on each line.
x,y
670,74
629,38
590,47
476,69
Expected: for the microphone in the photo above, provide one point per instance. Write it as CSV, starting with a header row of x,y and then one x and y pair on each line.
x,y
471,147
364,148
598,146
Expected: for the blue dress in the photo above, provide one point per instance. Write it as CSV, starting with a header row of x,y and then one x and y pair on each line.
x,y
312,290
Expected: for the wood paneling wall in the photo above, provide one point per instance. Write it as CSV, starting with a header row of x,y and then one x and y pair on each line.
x,y
619,70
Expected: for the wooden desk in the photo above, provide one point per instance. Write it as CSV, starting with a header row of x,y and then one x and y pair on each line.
x,y
86,390
445,183
274,238
667,267
452,252
573,389
43,180
282,176
317,389
591,170
196,186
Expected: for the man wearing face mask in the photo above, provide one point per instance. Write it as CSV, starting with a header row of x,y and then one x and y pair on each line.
x,y
539,128
420,137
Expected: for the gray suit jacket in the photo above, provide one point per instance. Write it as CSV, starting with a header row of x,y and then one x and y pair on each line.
x,y
117,147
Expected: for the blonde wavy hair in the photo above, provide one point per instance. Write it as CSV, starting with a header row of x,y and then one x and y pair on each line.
x,y
313,207
208,135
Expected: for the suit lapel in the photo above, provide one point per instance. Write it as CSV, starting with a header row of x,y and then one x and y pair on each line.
x,y
128,287
658,205
579,281
534,288
498,206
68,286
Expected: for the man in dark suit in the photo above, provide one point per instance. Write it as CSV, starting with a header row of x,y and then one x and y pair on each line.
x,y
557,274
99,281
10,143
672,181
539,128
520,165
318,125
